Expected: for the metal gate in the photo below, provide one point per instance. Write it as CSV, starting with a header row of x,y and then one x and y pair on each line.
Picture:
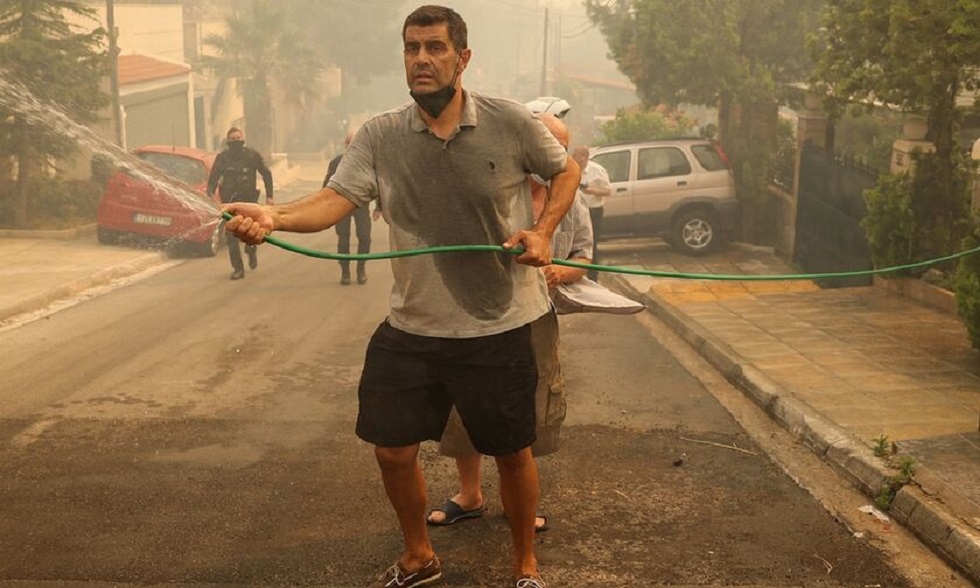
x,y
830,206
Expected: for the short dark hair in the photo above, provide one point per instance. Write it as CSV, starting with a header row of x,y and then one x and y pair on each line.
x,y
431,14
232,130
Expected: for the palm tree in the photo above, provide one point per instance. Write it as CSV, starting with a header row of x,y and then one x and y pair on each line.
x,y
267,59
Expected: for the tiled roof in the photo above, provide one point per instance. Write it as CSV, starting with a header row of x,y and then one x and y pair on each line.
x,y
143,68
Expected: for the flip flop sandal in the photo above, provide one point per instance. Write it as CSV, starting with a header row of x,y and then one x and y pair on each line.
x,y
530,582
454,513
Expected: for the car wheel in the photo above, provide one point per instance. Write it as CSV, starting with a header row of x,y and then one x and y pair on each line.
x,y
210,247
107,236
695,232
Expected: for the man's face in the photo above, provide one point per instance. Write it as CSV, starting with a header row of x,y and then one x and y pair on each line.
x,y
581,157
236,136
430,58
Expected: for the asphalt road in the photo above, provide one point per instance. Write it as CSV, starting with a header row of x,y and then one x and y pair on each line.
x,y
191,430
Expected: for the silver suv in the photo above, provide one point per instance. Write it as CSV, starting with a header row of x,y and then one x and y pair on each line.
x,y
680,189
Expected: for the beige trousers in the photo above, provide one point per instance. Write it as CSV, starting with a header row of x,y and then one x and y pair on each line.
x,y
549,397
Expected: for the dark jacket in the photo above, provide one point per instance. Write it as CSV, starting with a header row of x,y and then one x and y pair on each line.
x,y
332,169
235,172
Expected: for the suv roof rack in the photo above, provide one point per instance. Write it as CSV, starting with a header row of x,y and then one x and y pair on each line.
x,y
658,140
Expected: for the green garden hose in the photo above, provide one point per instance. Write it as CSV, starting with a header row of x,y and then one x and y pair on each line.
x,y
602,268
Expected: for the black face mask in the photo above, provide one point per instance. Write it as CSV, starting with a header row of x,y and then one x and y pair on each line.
x,y
435,102
236,146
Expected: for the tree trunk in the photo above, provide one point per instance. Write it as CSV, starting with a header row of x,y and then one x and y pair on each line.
x,y
6,170
258,119
6,191
948,202
725,117
749,138
25,163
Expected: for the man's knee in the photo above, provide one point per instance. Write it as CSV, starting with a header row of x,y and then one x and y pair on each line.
x,y
515,461
392,458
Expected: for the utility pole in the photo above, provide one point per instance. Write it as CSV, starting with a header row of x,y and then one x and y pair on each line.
x,y
558,39
544,61
114,71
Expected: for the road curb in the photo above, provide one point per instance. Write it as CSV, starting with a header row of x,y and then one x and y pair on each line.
x,y
98,278
927,518
59,234
940,530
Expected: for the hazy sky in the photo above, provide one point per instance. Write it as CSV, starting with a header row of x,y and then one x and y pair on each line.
x,y
507,39
512,32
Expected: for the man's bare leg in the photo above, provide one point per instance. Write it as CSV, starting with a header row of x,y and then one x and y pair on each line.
x,y
470,496
405,486
519,494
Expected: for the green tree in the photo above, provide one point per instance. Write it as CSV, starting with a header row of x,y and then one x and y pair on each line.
x,y
733,54
59,64
646,125
262,52
918,56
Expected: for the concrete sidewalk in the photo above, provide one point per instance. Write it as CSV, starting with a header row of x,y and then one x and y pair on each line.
x,y
39,268
845,370
840,369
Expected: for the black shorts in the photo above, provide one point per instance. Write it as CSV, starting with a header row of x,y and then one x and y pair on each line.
x,y
410,383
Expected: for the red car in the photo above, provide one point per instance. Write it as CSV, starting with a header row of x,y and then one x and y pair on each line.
x,y
163,198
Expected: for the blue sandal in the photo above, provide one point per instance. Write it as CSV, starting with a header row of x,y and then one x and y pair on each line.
x,y
454,513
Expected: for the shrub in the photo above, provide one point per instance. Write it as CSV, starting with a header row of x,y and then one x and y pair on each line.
x,y
61,204
915,217
102,167
645,125
784,160
967,286
890,223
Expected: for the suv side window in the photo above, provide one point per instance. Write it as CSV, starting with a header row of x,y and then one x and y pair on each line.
x,y
617,164
661,162
708,157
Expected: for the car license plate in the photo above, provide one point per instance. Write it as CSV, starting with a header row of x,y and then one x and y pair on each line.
x,y
149,219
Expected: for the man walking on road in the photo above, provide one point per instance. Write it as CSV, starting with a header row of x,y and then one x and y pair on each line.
x,y
447,170
234,170
361,218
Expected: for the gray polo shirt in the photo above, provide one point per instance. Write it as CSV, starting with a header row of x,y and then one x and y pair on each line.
x,y
469,190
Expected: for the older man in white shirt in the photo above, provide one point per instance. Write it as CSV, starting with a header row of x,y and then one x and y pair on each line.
x,y
594,188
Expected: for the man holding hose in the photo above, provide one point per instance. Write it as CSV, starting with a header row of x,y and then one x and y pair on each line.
x,y
449,169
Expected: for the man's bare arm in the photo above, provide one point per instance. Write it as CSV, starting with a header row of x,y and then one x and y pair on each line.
x,y
563,188
316,212
537,240
560,274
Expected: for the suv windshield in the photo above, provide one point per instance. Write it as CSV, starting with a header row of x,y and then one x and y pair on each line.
x,y
708,157
189,171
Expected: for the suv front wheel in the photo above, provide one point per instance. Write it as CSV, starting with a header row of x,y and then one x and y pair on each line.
x,y
696,232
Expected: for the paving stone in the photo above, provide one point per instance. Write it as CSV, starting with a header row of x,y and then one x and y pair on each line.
x,y
841,368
